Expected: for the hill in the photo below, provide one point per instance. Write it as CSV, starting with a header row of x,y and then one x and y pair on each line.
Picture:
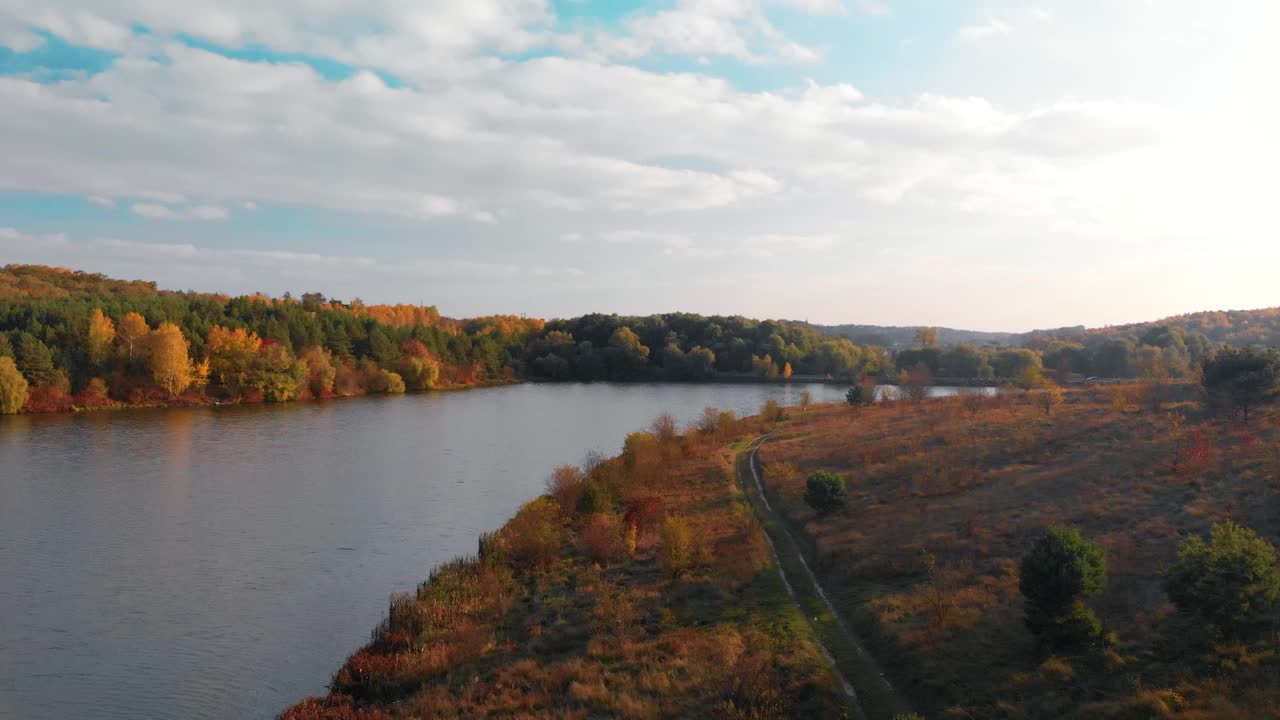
x,y
1234,327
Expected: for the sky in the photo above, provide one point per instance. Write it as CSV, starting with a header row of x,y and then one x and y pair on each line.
x,y
1001,165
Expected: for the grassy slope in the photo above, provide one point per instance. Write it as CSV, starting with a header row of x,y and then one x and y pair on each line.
x,y
504,637
972,483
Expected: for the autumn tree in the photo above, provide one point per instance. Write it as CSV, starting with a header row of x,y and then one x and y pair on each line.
x,y
133,333
232,355
786,371
101,335
927,337
629,355
278,374
13,387
170,364
915,382
764,367
320,371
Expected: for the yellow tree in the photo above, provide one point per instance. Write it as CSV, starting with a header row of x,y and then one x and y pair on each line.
x,y
232,355
102,332
13,387
786,370
133,333
170,364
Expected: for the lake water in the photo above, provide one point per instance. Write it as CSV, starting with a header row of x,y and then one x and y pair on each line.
x,y
221,563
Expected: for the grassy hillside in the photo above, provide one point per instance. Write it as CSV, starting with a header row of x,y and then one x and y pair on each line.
x,y
641,588
947,496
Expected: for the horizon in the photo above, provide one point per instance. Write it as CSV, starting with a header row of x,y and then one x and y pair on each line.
x,y
1013,165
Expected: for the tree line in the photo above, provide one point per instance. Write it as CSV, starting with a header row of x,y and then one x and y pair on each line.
x,y
682,346
77,339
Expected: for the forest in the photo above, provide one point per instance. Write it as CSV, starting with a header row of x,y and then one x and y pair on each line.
x,y
76,340
71,339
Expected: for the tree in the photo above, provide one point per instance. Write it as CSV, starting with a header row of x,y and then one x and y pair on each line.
x,y
34,359
786,371
170,364
764,367
132,333
1013,363
232,355
825,492
102,333
1243,377
13,387
1231,582
863,393
419,373
927,337
1062,570
1050,397
278,374
320,370
1029,378
915,382
700,363
630,355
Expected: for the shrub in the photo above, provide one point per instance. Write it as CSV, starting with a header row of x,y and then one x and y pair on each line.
x,y
664,429
595,499
825,492
1231,582
681,548
532,538
603,540
861,394
566,485
772,411
1060,572
393,383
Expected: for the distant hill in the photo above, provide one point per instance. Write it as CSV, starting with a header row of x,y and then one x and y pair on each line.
x,y
1234,327
894,337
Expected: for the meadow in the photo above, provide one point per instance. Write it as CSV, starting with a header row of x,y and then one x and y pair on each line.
x,y
945,498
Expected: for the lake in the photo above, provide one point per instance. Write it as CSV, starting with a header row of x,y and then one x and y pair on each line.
x,y
222,562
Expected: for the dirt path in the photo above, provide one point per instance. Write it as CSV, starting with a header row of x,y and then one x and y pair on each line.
x,y
866,686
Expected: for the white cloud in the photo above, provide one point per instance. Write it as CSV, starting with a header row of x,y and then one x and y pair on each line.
x,y
156,211
101,201
703,29
992,27
207,212
877,8
153,211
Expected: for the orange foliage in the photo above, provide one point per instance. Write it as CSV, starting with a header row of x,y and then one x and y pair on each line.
x,y
402,315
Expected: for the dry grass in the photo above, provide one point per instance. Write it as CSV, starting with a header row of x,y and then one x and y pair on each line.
x,y
947,495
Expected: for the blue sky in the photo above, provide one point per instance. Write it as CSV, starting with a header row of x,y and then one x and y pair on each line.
x,y
1006,165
